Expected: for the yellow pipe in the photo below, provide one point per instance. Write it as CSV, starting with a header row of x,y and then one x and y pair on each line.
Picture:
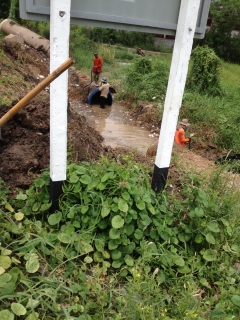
x,y
22,103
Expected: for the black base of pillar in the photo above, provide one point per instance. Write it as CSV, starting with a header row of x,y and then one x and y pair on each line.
x,y
159,178
55,193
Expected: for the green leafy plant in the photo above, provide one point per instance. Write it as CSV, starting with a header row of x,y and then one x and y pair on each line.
x,y
204,76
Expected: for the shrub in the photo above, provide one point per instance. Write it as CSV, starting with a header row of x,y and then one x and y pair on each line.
x,y
204,76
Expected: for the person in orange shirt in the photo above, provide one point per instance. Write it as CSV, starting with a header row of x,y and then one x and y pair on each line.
x,y
180,133
97,66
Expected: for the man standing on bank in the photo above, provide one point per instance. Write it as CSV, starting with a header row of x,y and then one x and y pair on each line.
x,y
180,133
97,67
104,89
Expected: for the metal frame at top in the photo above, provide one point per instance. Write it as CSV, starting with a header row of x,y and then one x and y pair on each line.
x,y
154,16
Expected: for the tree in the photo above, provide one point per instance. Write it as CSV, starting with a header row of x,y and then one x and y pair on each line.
x,y
4,8
225,18
14,11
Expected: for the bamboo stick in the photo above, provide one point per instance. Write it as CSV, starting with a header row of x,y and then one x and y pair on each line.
x,y
22,103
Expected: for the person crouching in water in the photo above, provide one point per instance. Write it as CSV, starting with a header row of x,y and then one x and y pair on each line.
x,y
180,133
104,89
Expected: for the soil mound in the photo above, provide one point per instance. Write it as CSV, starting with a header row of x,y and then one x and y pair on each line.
x,y
24,146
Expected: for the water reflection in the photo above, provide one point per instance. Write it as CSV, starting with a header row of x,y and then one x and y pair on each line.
x,y
115,125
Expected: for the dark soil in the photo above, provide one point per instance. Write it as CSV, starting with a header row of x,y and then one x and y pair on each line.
x,y
24,146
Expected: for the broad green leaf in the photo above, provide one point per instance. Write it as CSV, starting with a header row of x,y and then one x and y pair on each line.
x,y
5,262
19,216
129,260
36,206
161,277
6,252
6,315
32,264
76,224
97,257
82,277
151,208
101,186
5,278
112,244
55,218
178,260
45,206
202,195
116,264
146,198
32,303
39,182
236,300
84,209
114,233
106,254
18,309
100,244
73,178
140,204
21,196
128,218
225,222
72,212
210,238
146,220
117,222
9,207
88,259
116,254
103,224
129,229
210,255
199,238
80,170
114,207
138,234
8,288
86,179
126,196
184,269
229,230
235,248
130,248
105,210
65,238
105,177
86,247
32,316
2,270
122,205
199,212
213,226
124,273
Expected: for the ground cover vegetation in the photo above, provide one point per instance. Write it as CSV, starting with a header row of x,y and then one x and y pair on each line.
x,y
116,250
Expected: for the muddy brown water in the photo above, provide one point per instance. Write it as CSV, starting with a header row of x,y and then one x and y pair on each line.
x,y
115,125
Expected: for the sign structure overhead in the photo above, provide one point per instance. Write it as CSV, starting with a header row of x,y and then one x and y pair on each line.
x,y
153,16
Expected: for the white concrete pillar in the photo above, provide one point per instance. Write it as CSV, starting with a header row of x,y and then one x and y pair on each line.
x,y
187,21
59,53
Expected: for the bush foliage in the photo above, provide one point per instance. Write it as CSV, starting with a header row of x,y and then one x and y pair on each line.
x,y
204,76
